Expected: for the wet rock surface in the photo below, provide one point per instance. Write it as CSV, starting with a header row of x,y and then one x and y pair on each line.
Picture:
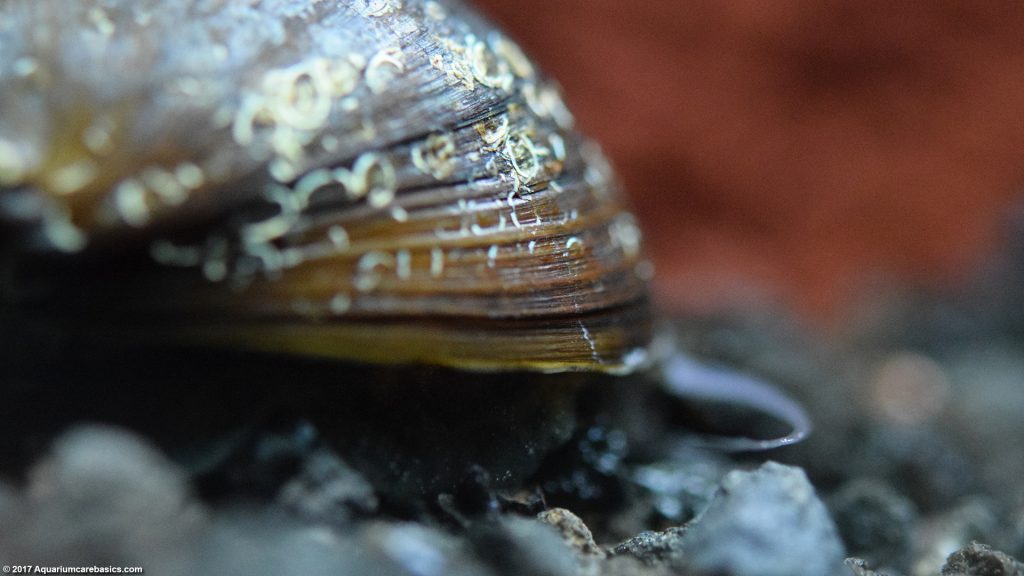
x,y
768,521
765,521
978,559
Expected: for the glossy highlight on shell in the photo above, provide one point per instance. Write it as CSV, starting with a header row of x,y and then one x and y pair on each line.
x,y
379,180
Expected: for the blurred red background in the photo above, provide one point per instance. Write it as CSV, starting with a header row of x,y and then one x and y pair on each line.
x,y
794,152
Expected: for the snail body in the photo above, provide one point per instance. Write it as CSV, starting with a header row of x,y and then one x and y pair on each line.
x,y
377,181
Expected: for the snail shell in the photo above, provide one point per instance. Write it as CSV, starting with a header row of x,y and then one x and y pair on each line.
x,y
378,180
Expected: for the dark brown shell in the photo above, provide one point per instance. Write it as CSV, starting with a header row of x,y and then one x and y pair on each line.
x,y
384,181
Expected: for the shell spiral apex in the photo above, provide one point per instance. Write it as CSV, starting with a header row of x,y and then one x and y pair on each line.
x,y
379,180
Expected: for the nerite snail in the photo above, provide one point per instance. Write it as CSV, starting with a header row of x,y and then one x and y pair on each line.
x,y
383,181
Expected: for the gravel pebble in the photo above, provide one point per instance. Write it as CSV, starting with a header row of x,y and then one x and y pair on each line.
x,y
875,522
980,560
767,522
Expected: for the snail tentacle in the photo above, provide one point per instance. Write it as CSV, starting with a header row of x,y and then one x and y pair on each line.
x,y
687,378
